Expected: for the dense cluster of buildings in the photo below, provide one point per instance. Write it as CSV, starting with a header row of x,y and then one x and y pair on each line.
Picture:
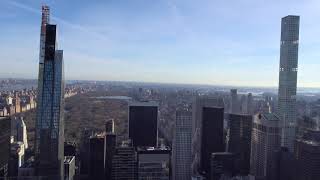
x,y
103,156
19,101
213,139
13,102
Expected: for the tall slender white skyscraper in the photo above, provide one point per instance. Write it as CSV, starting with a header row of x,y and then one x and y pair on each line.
x,y
288,79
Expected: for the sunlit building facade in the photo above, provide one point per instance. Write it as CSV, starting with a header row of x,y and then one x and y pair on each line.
x,y
265,141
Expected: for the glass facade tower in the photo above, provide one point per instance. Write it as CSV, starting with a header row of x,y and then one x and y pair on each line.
x,y
49,140
288,79
45,19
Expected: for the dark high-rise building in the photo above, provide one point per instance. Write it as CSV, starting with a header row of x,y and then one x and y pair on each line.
x,y
110,151
207,129
97,157
16,158
69,149
182,146
307,153
288,79
85,151
27,170
5,132
124,163
49,136
212,135
154,163
222,165
240,127
143,123
283,166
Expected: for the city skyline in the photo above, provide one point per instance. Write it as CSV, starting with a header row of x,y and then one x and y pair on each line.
x,y
121,130
164,41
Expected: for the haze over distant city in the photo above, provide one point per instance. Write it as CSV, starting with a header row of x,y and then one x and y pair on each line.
x,y
175,41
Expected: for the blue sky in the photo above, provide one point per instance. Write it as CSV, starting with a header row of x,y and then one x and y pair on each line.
x,y
233,42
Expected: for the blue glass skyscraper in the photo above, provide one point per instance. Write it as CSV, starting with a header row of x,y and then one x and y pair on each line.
x,y
49,140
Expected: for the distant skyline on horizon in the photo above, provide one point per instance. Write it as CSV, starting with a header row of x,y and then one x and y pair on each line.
x,y
234,43
239,87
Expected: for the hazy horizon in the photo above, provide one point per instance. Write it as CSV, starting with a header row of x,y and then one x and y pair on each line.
x,y
168,83
234,43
